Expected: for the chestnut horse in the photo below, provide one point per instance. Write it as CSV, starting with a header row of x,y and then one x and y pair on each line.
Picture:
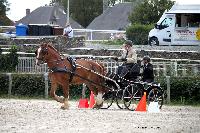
x,y
65,72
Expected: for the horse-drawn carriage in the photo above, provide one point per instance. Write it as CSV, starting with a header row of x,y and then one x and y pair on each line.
x,y
107,86
131,89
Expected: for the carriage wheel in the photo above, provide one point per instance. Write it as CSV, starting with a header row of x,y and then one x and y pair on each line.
x,y
108,99
156,95
131,96
119,99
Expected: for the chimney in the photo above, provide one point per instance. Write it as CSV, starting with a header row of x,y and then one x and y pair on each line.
x,y
28,11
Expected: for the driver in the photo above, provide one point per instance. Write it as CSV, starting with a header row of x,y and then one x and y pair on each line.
x,y
129,58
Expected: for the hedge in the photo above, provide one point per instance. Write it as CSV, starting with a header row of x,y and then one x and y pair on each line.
x,y
138,33
184,90
32,85
4,81
8,62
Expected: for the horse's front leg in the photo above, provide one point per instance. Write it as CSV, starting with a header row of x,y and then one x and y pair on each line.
x,y
53,93
66,96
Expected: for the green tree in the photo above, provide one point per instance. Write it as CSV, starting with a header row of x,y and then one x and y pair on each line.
x,y
4,6
149,11
83,11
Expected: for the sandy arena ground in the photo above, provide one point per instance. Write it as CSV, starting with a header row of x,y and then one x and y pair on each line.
x,y
45,116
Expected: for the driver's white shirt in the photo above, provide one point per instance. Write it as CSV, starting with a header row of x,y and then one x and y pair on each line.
x,y
68,29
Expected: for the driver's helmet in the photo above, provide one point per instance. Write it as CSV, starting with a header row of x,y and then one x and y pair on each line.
x,y
129,42
147,58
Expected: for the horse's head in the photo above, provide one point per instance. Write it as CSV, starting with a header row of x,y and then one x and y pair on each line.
x,y
41,53
46,53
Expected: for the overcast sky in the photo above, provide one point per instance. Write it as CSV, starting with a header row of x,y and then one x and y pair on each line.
x,y
18,7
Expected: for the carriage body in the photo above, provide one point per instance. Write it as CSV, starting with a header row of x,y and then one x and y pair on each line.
x,y
130,89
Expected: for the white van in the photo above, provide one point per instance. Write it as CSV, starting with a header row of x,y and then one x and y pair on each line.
x,y
179,26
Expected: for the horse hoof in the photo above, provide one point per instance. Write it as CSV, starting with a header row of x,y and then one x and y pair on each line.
x,y
61,99
97,106
64,108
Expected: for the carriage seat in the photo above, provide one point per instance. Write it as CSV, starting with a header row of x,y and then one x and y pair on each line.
x,y
129,71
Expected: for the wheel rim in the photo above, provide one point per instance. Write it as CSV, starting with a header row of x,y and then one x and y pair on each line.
x,y
156,96
119,99
153,42
108,100
131,97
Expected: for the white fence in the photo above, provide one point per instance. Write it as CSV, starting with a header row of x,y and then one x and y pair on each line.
x,y
100,34
164,68
89,34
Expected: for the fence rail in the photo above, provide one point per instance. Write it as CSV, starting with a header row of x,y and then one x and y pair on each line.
x,y
161,68
174,68
89,34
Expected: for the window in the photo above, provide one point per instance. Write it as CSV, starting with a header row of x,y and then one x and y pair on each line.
x,y
166,22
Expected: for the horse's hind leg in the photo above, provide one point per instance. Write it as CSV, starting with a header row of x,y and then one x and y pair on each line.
x,y
98,96
66,96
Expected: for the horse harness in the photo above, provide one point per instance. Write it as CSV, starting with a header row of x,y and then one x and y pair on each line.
x,y
60,69
73,69
65,69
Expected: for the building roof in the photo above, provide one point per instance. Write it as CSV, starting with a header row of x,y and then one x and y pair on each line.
x,y
114,18
49,15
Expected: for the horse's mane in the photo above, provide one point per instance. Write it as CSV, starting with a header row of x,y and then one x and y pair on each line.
x,y
51,47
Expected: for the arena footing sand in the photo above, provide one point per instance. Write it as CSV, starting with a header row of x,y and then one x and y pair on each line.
x,y
45,116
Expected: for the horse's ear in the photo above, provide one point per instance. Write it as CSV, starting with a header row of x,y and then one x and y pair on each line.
x,y
44,44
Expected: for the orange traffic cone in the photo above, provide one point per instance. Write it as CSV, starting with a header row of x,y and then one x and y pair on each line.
x,y
142,104
92,100
83,103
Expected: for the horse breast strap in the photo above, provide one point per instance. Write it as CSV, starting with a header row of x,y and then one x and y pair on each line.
x,y
73,66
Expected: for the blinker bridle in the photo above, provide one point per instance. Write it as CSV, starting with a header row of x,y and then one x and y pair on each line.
x,y
44,51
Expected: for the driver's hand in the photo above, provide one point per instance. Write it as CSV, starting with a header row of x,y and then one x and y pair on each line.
x,y
115,58
123,59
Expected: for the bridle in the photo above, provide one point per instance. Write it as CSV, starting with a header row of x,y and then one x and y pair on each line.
x,y
44,51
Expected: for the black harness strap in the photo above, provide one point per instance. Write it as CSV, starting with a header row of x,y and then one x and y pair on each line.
x,y
67,70
57,69
73,66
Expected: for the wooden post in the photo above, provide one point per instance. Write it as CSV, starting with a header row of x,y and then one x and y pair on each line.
x,y
10,84
83,91
46,85
195,70
168,89
164,69
176,69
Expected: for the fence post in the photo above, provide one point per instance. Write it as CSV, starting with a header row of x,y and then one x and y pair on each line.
x,y
46,85
83,91
168,88
176,68
164,69
10,84
195,70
